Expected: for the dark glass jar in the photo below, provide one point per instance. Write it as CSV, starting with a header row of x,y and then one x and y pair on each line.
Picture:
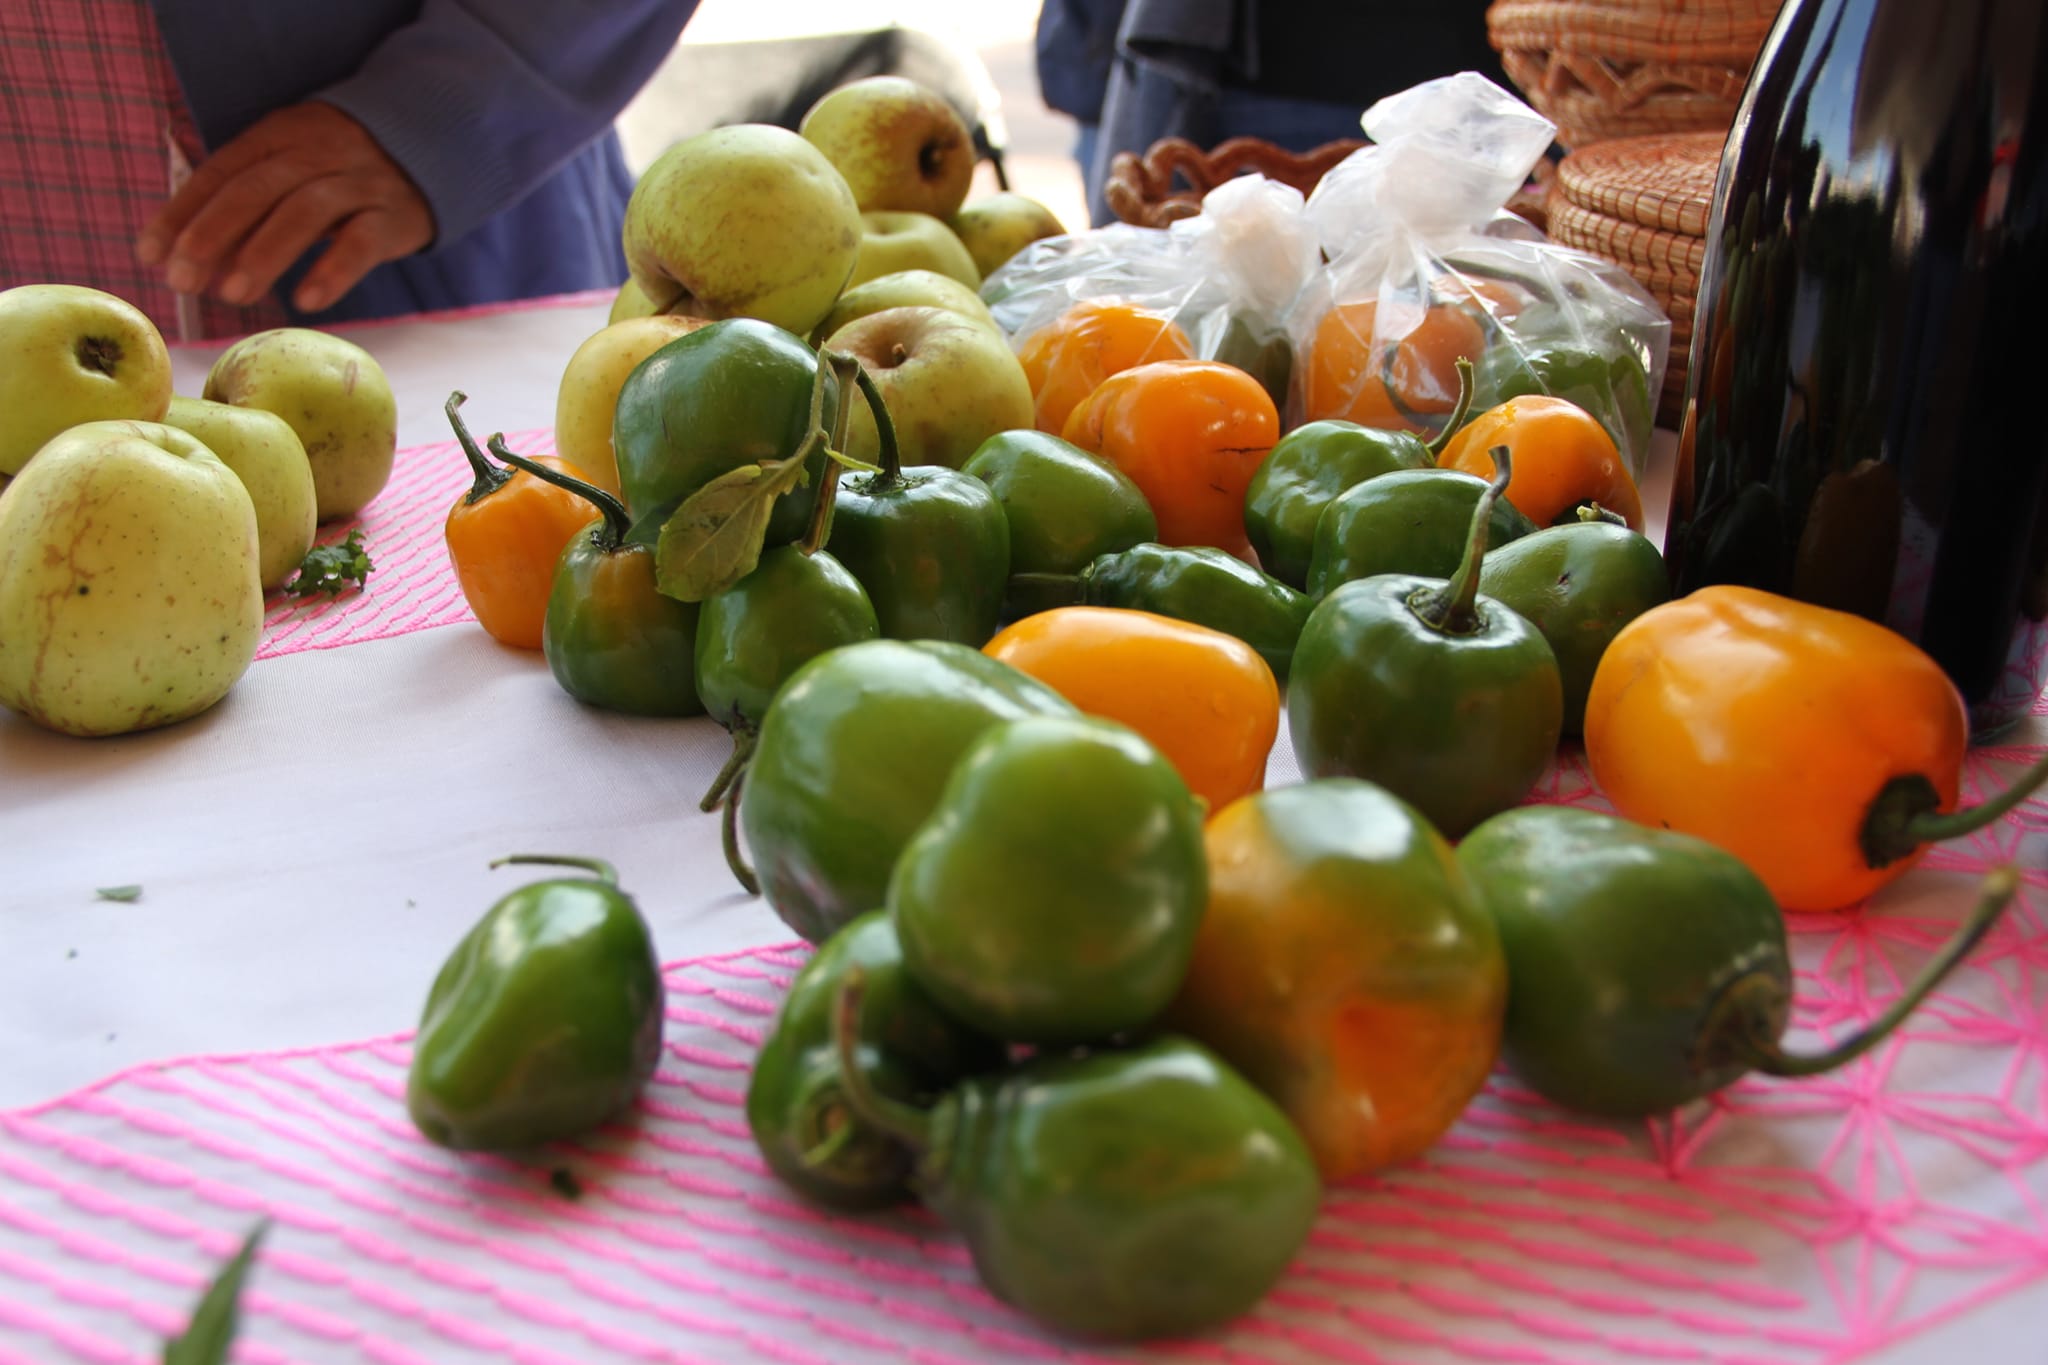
x,y
1867,402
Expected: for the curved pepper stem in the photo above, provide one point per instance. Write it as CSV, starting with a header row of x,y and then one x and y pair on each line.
x,y
1767,1054
596,867
729,820
1906,814
735,764
1456,420
489,477
820,528
906,1123
1452,609
617,520
1050,589
890,472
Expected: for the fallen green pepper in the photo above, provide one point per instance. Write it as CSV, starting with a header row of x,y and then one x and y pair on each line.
x,y
1118,1196
546,1020
1578,584
1063,505
1195,583
850,760
1648,968
1053,894
1447,699
610,637
909,1049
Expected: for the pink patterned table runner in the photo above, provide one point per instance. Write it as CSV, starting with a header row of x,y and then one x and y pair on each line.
x,y
1783,1223
412,586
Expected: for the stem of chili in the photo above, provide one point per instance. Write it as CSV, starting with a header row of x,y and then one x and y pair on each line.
x,y
820,529
729,821
1906,814
891,472
1452,608
1767,1054
742,750
489,477
906,1123
617,520
596,867
1458,413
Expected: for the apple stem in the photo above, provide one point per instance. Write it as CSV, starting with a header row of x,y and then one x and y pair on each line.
x,y
617,520
489,477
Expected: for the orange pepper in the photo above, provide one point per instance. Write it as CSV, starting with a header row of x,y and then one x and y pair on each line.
x,y
1562,457
504,537
1816,746
1204,699
1190,433
1398,384
1067,358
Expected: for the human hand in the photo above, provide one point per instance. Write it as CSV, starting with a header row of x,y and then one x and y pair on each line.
x,y
292,178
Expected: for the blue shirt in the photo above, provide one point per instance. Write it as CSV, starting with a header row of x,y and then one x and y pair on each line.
x,y
500,110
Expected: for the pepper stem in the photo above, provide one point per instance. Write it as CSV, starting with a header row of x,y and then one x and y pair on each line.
x,y
1767,1055
1045,590
885,430
617,520
820,529
596,867
1906,814
489,477
906,1123
735,763
729,830
1435,447
1452,609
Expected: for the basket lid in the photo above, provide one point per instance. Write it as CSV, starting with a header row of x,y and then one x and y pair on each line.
x,y
1664,181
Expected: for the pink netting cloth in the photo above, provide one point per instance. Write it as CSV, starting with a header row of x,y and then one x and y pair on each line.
x,y
412,586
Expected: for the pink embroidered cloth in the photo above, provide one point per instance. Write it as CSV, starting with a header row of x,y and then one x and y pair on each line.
x,y
1783,1223
412,585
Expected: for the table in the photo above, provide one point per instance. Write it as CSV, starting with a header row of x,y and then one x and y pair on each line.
x,y
310,849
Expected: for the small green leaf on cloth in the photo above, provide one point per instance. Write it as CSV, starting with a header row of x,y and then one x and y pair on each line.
x,y
332,569
119,893
211,1331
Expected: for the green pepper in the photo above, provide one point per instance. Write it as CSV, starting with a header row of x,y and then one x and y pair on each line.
x,y
735,393
909,1049
545,1021
1196,583
1578,584
850,760
1647,968
1446,698
610,637
1118,1196
1411,521
750,638
1304,473
930,544
1054,893
1063,505
1610,384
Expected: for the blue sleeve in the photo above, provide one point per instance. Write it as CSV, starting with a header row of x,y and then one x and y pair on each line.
x,y
480,102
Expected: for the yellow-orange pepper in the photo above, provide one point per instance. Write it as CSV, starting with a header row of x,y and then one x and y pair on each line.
x,y
505,535
1204,699
1068,357
1562,457
1817,746
1190,433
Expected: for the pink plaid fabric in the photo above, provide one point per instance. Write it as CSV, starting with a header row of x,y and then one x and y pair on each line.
x,y
88,105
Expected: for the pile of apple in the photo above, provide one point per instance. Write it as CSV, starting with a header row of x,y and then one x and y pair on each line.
x,y
139,530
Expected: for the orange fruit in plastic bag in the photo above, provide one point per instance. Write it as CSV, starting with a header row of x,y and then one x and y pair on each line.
x,y
1190,433
1398,385
1067,358
1562,459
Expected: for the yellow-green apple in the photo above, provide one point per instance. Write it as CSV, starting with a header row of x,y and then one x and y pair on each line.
x,y
128,585
899,144
69,354
949,383
266,455
743,221
591,381
336,398
905,289
893,240
630,302
997,226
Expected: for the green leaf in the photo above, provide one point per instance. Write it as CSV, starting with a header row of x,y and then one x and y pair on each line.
x,y
332,569
211,1331
119,893
714,539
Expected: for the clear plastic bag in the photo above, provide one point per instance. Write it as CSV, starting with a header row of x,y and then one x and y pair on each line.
x,y
1425,264
1226,277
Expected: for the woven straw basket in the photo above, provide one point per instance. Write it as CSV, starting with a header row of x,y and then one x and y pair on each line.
x,y
1620,68
1642,202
